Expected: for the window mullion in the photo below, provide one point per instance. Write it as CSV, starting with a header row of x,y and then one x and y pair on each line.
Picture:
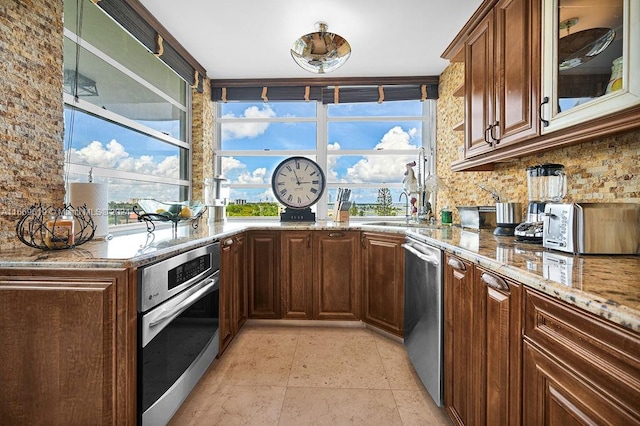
x,y
321,157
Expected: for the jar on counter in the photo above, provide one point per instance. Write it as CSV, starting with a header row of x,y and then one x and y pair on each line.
x,y
60,232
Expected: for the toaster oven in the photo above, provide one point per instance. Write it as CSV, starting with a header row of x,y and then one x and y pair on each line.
x,y
592,228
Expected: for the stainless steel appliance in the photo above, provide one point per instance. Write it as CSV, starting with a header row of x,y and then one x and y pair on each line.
x,y
216,197
593,228
423,314
178,316
508,216
545,183
477,217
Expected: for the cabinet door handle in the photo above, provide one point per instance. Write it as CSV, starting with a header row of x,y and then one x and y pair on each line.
x,y
228,242
545,100
486,132
308,240
336,234
492,135
456,264
494,282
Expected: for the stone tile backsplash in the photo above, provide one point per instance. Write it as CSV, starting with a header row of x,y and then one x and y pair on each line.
x,y
605,170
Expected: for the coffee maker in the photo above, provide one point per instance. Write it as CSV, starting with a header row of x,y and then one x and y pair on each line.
x,y
545,183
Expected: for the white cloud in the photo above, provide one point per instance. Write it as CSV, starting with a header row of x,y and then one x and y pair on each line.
x,y
235,170
257,176
96,154
247,130
379,168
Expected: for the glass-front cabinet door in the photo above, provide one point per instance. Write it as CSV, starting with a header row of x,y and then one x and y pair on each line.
x,y
591,60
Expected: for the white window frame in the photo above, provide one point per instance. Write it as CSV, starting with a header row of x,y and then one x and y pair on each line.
x,y
321,152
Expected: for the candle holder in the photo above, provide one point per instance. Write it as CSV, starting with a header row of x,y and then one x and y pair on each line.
x,y
55,228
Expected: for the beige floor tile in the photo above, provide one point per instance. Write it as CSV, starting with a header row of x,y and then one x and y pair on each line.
x,y
339,361
270,329
416,408
244,405
397,364
313,406
261,359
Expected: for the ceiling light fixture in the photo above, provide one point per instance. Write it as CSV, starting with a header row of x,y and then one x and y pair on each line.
x,y
577,48
320,52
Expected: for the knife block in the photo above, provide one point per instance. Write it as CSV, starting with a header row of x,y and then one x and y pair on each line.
x,y
341,216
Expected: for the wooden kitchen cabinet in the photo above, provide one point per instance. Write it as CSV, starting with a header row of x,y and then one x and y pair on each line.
x,y
263,274
383,281
460,393
320,275
233,303
336,278
502,77
516,100
297,274
483,355
498,349
240,283
578,368
68,347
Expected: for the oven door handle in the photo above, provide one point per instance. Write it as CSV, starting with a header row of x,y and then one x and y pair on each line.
x,y
156,320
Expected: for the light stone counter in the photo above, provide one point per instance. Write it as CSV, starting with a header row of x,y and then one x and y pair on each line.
x,y
608,286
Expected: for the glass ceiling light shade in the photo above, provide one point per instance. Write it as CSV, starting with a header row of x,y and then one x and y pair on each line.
x,y
320,52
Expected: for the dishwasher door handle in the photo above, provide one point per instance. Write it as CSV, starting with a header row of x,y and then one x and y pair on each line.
x,y
422,256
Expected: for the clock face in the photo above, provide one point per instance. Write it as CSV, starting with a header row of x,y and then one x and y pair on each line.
x,y
298,182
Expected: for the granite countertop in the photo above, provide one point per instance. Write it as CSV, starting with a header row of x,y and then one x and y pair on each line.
x,y
607,286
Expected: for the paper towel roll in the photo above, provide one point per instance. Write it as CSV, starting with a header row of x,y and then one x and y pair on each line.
x,y
96,197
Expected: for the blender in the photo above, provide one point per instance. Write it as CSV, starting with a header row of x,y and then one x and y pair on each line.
x,y
545,183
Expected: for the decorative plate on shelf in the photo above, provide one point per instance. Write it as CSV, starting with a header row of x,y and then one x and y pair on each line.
x,y
169,211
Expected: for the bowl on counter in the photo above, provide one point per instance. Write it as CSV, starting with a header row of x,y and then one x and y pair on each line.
x,y
169,211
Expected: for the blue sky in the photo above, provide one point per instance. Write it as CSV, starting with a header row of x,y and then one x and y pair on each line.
x,y
99,143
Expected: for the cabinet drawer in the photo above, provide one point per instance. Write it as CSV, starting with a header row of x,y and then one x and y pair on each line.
x,y
601,353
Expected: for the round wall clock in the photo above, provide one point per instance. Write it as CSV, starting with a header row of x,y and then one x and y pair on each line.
x,y
298,183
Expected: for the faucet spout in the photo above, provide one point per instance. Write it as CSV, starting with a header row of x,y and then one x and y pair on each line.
x,y
406,205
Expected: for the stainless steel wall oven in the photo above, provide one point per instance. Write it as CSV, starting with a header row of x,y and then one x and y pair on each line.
x,y
178,316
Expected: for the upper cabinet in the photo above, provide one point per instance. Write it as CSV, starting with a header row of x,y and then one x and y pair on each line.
x,y
590,60
546,74
502,77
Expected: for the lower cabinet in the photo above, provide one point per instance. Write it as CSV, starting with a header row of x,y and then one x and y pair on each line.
x,y
336,277
482,345
68,347
263,265
233,302
460,391
498,348
383,281
296,274
320,275
578,368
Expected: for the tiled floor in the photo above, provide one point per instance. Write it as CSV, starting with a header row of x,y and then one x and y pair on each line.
x,y
291,375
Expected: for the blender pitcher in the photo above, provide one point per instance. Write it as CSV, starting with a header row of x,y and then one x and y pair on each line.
x,y
545,183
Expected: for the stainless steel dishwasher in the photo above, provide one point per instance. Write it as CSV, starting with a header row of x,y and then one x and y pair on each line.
x,y
423,314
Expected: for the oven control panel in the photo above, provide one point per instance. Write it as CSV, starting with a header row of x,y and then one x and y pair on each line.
x,y
160,281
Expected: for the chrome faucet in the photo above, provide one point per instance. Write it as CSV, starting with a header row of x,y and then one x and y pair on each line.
x,y
406,205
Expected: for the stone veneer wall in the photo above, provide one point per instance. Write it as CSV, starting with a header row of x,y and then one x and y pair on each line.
x,y
31,110
605,170
202,131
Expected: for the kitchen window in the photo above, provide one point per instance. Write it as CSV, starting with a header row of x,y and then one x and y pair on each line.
x,y
127,114
360,146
